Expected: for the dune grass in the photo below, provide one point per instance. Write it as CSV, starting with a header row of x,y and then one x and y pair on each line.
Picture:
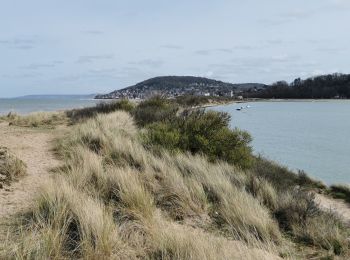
x,y
38,119
11,168
114,198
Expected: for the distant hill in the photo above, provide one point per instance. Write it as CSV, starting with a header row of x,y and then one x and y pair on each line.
x,y
320,87
173,86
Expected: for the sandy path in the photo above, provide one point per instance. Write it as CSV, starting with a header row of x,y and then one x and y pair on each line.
x,y
339,207
33,147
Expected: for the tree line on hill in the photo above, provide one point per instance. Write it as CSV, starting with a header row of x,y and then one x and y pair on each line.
x,y
325,86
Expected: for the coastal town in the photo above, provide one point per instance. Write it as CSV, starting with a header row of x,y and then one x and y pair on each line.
x,y
172,87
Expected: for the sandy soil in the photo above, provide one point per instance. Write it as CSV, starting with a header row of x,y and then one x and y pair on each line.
x,y
33,147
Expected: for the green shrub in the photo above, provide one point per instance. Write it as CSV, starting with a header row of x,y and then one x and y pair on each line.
x,y
156,109
340,192
164,135
205,132
305,181
192,101
282,178
295,208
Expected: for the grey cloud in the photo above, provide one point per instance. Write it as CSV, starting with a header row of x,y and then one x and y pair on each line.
x,y
92,74
280,63
36,66
105,73
339,4
172,47
290,16
330,50
21,75
294,15
93,58
203,52
129,70
19,43
213,51
298,14
102,71
245,47
153,63
93,32
70,78
224,50
242,47
274,42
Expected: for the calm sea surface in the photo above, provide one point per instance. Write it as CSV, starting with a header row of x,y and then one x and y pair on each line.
x,y
309,135
28,105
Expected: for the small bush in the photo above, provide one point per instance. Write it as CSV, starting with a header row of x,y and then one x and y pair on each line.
x,y
305,181
326,231
156,109
195,101
281,177
295,208
10,167
192,101
300,216
7,118
340,192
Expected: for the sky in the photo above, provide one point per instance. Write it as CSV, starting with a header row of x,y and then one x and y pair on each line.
x,y
96,46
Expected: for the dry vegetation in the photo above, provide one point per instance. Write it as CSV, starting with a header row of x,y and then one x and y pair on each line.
x,y
38,119
11,168
114,199
117,198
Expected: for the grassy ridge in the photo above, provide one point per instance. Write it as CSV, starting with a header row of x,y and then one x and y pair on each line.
x,y
121,196
114,199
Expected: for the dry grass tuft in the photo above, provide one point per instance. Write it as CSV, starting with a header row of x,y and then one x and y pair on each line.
x,y
38,119
11,168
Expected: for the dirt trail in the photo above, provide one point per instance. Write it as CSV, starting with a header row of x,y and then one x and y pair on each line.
x,y
339,207
33,147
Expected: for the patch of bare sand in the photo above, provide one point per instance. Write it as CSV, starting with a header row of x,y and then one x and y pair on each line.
x,y
32,146
338,207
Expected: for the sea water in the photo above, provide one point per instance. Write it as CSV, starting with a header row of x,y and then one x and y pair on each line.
x,y
47,103
313,136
